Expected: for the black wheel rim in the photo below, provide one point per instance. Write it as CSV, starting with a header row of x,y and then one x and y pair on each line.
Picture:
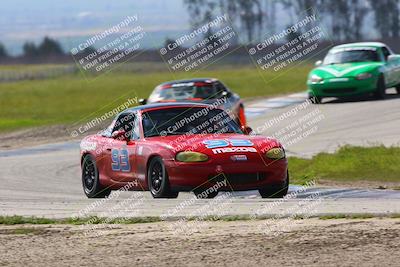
x,y
156,177
89,175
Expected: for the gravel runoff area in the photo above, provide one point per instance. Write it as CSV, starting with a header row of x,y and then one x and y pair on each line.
x,y
308,242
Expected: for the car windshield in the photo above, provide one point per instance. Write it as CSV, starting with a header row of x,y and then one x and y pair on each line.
x,y
184,92
351,55
193,120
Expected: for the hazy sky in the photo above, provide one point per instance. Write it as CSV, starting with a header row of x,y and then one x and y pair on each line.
x,y
72,20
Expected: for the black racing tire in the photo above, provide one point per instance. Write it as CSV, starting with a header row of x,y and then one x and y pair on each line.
x,y
315,99
157,178
199,194
276,191
90,179
380,92
398,89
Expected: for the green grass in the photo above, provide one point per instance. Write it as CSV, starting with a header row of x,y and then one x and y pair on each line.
x,y
31,67
93,220
25,231
98,220
351,216
11,220
71,99
349,163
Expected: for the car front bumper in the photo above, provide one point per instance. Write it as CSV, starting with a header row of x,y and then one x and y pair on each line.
x,y
239,175
346,86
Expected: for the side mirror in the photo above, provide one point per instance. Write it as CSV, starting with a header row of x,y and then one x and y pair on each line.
x,y
318,63
143,101
246,129
393,58
120,135
226,94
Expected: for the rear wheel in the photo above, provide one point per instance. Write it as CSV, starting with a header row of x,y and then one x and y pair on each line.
x,y
276,191
380,92
90,179
157,178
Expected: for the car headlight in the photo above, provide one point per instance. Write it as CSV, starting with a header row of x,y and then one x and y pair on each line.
x,y
275,153
363,76
190,156
316,79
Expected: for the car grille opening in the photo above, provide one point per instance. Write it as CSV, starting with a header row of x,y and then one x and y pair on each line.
x,y
340,90
239,178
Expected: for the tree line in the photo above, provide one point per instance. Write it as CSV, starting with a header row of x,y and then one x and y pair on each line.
x,y
48,47
344,19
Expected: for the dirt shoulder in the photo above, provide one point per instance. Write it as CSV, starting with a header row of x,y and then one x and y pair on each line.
x,y
39,136
34,136
312,242
360,184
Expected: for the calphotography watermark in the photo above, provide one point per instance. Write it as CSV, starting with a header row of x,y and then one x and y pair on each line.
x,y
190,118
209,126
202,46
294,125
296,204
195,213
113,45
295,43
94,123
106,213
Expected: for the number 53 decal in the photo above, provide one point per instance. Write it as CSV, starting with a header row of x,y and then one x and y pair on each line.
x,y
224,143
120,160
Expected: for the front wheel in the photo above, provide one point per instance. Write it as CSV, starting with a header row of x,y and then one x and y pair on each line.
x,y
380,92
90,179
157,178
398,89
315,99
276,191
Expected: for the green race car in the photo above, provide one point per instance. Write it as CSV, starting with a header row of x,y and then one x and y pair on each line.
x,y
352,69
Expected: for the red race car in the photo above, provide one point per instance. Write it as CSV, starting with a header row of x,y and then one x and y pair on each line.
x,y
171,147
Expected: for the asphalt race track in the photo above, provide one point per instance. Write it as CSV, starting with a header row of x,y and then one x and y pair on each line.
x,y
45,180
359,121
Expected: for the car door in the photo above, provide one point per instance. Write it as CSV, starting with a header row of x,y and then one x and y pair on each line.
x,y
121,154
390,67
394,64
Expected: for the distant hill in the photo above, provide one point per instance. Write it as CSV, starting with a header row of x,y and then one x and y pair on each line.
x,y
72,21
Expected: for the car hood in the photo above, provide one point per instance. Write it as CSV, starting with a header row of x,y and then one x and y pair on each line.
x,y
345,70
198,143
